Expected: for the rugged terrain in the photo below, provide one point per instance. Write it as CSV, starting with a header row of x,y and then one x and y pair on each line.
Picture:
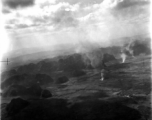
x,y
126,84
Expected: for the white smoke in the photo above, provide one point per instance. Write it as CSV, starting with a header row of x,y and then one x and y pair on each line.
x,y
127,51
128,48
123,56
131,52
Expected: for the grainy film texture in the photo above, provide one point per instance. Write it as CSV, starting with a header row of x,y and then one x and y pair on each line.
x,y
76,60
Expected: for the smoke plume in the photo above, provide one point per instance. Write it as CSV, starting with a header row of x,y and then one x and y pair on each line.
x,y
123,56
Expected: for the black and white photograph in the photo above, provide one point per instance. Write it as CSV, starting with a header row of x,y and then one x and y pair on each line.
x,y
75,60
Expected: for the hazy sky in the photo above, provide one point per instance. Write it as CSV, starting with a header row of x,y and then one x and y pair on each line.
x,y
41,23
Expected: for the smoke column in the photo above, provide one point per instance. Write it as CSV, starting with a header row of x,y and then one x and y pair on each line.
x,y
123,56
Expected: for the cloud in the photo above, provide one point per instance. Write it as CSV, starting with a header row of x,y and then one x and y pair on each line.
x,y
18,3
22,26
122,4
81,2
131,9
67,14
8,27
5,10
63,18
59,15
89,25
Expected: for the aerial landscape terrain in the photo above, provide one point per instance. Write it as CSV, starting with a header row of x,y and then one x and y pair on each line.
x,y
69,87
75,60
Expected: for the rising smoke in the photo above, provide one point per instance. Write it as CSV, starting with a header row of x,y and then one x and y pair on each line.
x,y
123,56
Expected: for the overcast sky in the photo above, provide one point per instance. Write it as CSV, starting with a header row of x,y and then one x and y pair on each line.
x,y
42,23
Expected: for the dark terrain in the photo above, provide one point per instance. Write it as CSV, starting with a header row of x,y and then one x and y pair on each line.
x,y
69,89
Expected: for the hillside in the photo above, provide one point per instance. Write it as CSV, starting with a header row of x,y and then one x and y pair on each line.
x,y
126,83
73,81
